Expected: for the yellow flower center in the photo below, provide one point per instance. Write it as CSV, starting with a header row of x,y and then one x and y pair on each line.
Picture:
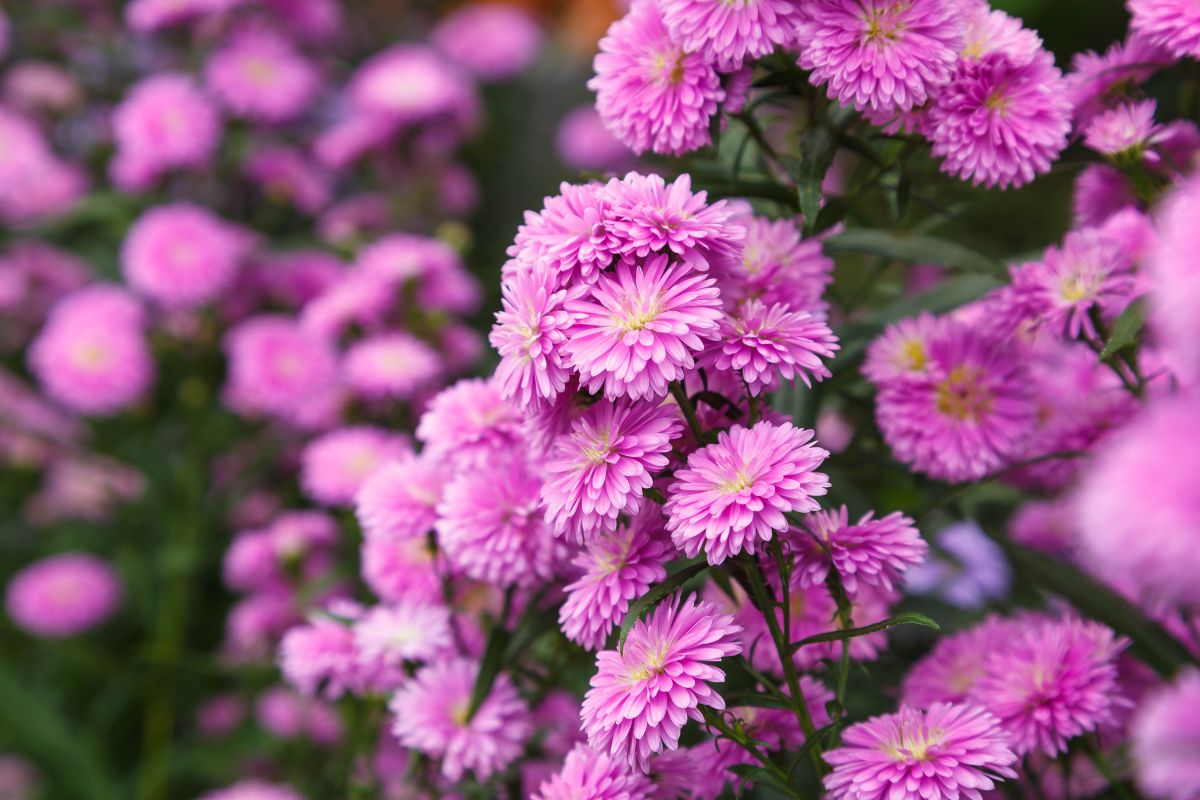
x,y
90,355
739,483
913,354
963,396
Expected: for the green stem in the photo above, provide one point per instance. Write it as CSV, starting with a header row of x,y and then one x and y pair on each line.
x,y
679,392
715,720
764,145
1102,765
844,611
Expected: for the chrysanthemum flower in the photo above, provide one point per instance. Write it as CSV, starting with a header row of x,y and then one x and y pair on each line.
x,y
972,573
1094,79
412,83
164,123
253,790
1176,283
1100,192
261,76
882,55
63,595
779,266
335,465
641,328
397,569
431,716
491,525
1166,733
320,657
599,468
410,630
618,568
92,355
902,350
589,775
735,492
151,15
573,236
289,715
946,753
651,93
585,145
1090,272
873,551
967,415
494,41
1000,122
765,344
181,255
34,182
642,696
727,34
1055,680
276,366
1127,129
1170,24
399,500
956,664
469,423
393,365
989,30
529,334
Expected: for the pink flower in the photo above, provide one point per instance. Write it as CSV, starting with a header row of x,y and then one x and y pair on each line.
x,y
390,365
151,15
409,630
181,255
493,41
1096,79
289,175
778,266
1001,122
92,355
260,75
765,344
737,491
399,500
287,714
618,568
589,775
1165,733
335,465
1171,24
469,423
253,790
432,715
902,349
600,468
951,671
583,143
873,551
728,34
1128,128
411,83
651,93
320,657
529,334
1176,283
63,595
396,569
882,55
945,753
164,123
34,182
641,328
573,236
642,696
277,367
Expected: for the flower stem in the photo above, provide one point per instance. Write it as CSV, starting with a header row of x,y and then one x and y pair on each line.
x,y
679,392
715,720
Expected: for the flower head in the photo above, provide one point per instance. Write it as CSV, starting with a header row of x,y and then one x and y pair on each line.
x,y
871,551
1171,24
409,84
882,55
641,696
599,468
727,34
493,41
470,423
399,500
529,334
390,365
736,492
956,664
778,266
409,630
63,595
260,75
1176,284
973,572
1165,735
573,237
1127,129
164,123
902,350
433,716
765,344
253,790
277,367
651,92
590,775
1097,79
335,465
945,753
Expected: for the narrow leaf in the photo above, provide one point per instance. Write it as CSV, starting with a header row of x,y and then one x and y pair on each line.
x,y
913,248
761,776
817,147
907,618
644,604
493,657
754,700
1126,329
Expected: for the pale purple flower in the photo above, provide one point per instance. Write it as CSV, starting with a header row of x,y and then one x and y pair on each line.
x,y
399,500
1127,129
335,465
946,753
1166,735
882,55
728,33
641,327
871,551
969,571
410,630
470,423
651,92
766,344
261,76
165,122
529,334
618,568
736,492
589,775
642,696
432,715
1171,24
599,468
902,350
393,365
62,595
492,40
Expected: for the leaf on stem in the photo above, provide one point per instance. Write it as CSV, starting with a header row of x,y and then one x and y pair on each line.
x,y
907,618
1127,329
644,604
913,248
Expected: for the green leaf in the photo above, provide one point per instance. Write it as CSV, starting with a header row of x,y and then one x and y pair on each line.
x,y
652,598
817,148
754,700
1127,329
913,248
761,776
1151,642
907,618
34,727
493,657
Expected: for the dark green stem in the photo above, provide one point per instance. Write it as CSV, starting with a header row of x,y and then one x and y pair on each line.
x,y
679,392
715,720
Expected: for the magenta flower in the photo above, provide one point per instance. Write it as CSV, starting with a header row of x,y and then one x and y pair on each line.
x,y
1055,680
599,469
590,775
967,415
1001,122
335,465
399,500
1095,79
778,266
1176,285
261,76
902,350
63,595
584,144
766,344
409,630
493,41
573,236
1171,24
946,753
727,34
469,423
529,334
397,569
431,716
410,84
277,367
181,255
873,551
1127,129
394,365
289,175
882,55
737,491
651,93
253,790
618,568
642,696
1165,732
992,31
151,15
951,671
164,123
320,658
641,328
